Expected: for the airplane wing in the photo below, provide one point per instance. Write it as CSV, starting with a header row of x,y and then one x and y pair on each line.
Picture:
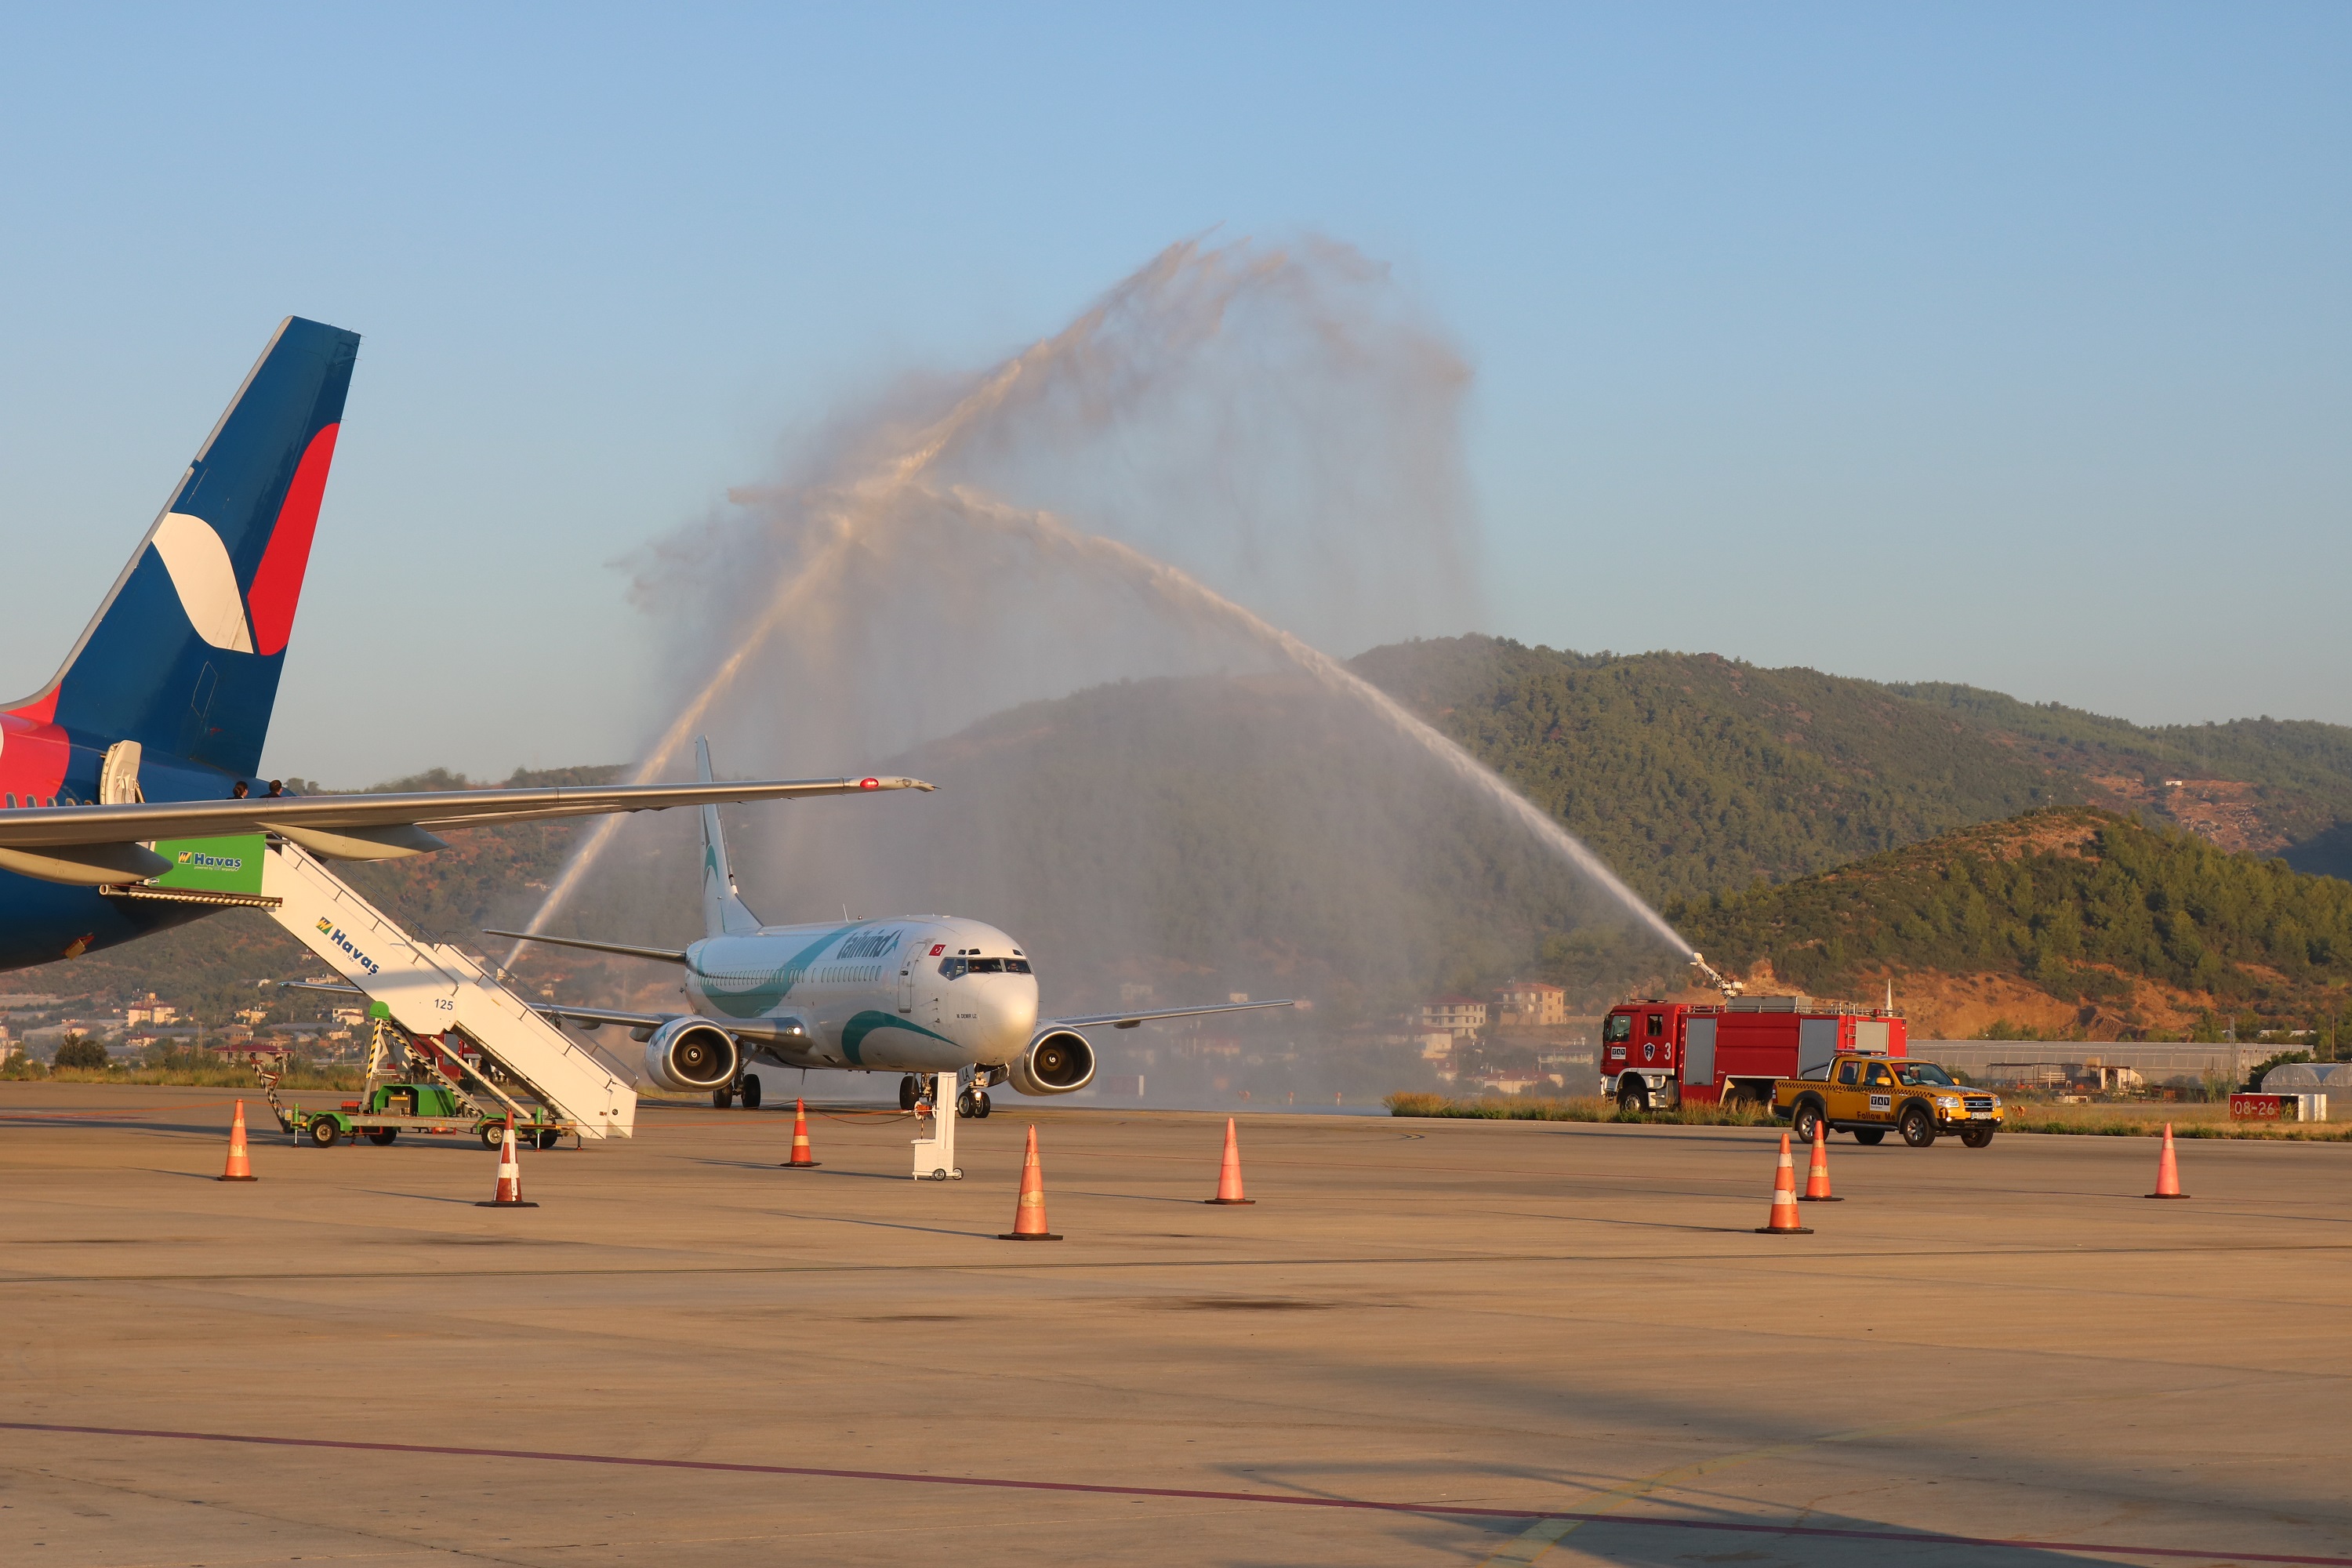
x,y
101,844
1130,1020
667,955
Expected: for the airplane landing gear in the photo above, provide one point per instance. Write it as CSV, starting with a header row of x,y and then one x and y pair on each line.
x,y
910,1090
722,1098
750,1091
972,1104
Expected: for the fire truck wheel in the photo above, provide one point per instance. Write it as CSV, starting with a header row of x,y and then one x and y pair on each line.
x,y
1918,1127
1977,1137
380,1136
1634,1099
1806,1122
1870,1134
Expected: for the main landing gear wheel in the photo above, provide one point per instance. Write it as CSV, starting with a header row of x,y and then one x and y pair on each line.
x,y
910,1090
750,1091
1918,1127
323,1131
722,1098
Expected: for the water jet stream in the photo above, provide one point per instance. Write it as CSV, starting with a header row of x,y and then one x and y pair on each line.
x,y
844,521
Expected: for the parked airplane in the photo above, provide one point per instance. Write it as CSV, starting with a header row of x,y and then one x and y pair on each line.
x,y
152,730
915,995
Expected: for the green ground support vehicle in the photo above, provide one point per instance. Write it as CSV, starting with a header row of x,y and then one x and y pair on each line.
x,y
422,1099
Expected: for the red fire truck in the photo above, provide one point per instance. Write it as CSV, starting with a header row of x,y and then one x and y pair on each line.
x,y
1655,1054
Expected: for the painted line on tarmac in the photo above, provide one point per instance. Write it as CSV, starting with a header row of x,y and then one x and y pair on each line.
x,y
1006,1266
1004,1483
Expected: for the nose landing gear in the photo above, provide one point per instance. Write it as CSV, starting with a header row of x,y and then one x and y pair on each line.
x,y
972,1104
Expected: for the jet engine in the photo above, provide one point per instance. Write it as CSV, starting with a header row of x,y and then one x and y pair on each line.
x,y
692,1054
1058,1061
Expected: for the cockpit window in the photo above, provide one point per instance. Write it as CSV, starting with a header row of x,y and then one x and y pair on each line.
x,y
957,968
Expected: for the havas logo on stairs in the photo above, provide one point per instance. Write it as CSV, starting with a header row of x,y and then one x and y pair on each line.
x,y
332,934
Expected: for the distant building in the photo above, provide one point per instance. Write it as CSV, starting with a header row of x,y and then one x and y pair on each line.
x,y
1458,1015
1532,1005
149,1011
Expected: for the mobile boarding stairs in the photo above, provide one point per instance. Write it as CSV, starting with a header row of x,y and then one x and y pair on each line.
x,y
431,988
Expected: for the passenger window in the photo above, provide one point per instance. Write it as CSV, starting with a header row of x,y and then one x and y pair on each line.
x,y
1848,1071
1617,1030
1657,1026
1881,1075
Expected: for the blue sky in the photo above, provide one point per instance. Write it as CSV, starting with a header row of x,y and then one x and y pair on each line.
x,y
2005,345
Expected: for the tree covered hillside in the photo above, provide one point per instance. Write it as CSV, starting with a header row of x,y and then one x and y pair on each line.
x,y
1695,774
2138,927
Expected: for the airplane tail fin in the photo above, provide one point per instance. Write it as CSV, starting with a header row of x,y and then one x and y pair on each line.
x,y
723,911
184,654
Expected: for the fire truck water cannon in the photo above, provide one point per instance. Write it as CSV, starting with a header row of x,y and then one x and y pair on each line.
x,y
1728,987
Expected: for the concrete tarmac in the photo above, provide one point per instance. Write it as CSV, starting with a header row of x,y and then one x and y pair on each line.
x,y
1427,1343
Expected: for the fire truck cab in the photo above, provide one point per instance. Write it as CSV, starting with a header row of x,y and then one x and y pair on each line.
x,y
1655,1054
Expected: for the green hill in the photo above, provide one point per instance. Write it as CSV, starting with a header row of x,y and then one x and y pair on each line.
x,y
2136,929
1200,835
1693,774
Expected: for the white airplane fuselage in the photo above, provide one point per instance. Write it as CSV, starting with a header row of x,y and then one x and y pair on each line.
x,y
926,993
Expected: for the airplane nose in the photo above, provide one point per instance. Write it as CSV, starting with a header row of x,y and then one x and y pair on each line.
x,y
1008,1017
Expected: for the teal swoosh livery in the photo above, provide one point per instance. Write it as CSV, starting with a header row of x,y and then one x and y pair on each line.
x,y
854,1033
767,990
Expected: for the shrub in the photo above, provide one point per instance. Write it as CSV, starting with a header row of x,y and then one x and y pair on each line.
x,y
81,1051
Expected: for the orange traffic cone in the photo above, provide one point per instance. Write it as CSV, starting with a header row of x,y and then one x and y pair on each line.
x,y
1029,1212
1229,1175
1784,1199
1817,1179
803,1158
240,1168
2168,1170
509,1195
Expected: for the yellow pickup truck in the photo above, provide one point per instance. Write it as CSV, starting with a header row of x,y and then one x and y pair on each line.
x,y
1865,1095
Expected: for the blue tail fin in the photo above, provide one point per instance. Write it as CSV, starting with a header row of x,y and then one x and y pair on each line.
x,y
723,911
183,656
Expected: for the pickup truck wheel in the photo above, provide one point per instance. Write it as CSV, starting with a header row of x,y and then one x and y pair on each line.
x,y
1870,1134
1918,1127
1634,1099
1977,1137
1806,1122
